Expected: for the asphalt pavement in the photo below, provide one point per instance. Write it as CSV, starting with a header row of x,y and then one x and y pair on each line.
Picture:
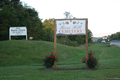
x,y
117,43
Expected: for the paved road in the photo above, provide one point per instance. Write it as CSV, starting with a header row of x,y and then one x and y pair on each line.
x,y
117,43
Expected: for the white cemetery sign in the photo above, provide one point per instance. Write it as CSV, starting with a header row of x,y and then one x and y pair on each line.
x,y
17,31
71,27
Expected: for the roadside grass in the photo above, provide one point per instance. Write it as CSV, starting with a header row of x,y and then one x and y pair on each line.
x,y
21,52
68,57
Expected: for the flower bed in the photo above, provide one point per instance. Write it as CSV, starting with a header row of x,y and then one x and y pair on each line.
x,y
91,61
49,61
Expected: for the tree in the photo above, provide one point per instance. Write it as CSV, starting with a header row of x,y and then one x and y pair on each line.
x,y
48,30
7,19
89,36
13,14
49,23
115,36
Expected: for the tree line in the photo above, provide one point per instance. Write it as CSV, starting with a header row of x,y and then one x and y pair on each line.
x,y
115,36
14,14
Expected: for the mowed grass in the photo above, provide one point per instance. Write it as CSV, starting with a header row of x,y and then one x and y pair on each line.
x,y
21,60
21,52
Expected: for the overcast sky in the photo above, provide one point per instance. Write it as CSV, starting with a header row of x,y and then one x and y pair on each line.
x,y
103,15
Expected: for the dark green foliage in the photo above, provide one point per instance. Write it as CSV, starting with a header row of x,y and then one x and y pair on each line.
x,y
49,61
91,61
115,36
48,34
74,40
13,14
73,43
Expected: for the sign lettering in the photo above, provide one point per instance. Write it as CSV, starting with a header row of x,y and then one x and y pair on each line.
x,y
70,27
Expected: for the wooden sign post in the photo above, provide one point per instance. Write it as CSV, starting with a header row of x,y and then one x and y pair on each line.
x,y
55,43
86,42
70,27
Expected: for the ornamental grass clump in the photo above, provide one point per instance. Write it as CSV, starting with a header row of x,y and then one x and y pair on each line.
x,y
91,61
49,61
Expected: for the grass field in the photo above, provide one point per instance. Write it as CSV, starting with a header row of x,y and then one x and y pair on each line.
x,y
21,60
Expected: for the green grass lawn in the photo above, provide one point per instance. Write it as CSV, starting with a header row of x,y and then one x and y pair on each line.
x,y
21,60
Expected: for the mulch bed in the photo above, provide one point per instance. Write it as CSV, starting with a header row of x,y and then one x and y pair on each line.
x,y
66,69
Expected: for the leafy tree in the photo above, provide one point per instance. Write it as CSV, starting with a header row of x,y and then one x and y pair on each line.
x,y
4,3
49,23
115,36
7,19
13,14
118,35
48,30
90,36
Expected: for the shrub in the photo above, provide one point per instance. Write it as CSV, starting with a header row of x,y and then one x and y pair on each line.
x,y
49,61
73,43
91,61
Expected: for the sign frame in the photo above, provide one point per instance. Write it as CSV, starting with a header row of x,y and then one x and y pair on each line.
x,y
70,26
86,26
17,31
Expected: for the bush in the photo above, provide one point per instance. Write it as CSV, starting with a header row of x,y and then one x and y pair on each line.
x,y
91,61
49,61
73,43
